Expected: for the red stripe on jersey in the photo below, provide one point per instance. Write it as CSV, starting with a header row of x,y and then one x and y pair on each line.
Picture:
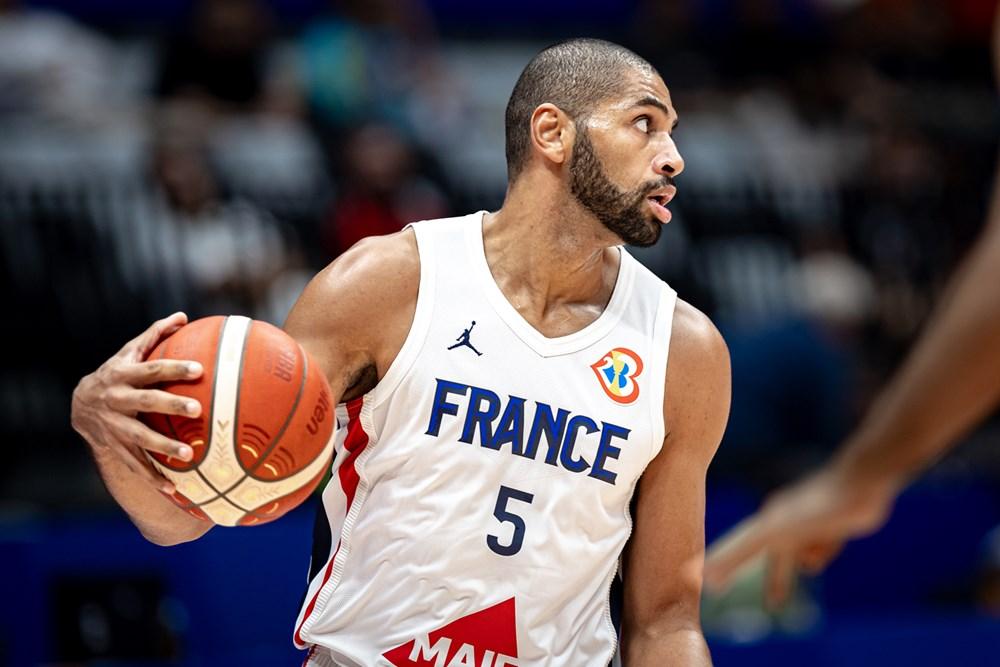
x,y
355,443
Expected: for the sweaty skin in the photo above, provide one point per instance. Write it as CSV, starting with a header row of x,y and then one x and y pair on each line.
x,y
555,262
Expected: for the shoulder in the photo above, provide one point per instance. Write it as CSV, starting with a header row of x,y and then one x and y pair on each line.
x,y
698,381
694,338
356,312
372,267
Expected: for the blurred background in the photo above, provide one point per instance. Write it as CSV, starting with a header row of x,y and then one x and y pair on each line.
x,y
211,155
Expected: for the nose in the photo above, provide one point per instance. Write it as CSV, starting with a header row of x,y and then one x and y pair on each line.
x,y
668,161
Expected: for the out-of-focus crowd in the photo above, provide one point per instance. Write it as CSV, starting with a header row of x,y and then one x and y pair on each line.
x,y
838,159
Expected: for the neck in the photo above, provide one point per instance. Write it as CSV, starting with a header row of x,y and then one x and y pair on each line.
x,y
547,254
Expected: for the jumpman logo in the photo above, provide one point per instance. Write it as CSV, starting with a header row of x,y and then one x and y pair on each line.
x,y
464,340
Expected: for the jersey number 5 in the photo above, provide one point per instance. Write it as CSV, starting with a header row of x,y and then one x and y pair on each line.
x,y
505,516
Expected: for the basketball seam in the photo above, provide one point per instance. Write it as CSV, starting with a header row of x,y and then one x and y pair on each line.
x,y
211,414
257,512
239,391
281,431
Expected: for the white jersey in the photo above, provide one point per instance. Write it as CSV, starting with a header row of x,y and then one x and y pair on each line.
x,y
480,496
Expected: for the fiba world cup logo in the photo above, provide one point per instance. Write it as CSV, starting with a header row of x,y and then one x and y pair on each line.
x,y
616,371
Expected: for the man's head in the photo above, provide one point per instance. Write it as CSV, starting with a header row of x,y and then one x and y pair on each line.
x,y
604,114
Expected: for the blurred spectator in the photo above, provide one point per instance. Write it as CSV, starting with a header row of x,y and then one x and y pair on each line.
x,y
51,67
667,34
377,60
192,246
382,190
226,60
794,378
870,121
757,36
837,157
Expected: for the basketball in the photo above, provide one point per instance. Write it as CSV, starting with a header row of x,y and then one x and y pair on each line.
x,y
264,437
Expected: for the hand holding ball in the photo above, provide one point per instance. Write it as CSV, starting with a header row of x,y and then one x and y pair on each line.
x,y
263,440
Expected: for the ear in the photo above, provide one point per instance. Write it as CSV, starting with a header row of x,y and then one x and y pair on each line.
x,y
552,133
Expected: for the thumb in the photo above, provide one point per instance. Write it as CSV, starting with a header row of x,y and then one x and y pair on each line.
x,y
139,347
816,557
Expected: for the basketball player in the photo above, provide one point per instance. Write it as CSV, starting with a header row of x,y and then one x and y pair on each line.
x,y
480,504
949,383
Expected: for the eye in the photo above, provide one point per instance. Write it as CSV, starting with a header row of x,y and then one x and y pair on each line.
x,y
642,122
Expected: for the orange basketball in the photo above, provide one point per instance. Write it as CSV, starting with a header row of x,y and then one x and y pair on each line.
x,y
264,437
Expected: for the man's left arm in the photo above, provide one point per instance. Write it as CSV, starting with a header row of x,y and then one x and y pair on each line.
x,y
665,557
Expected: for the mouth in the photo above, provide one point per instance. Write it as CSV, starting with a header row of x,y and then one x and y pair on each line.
x,y
659,203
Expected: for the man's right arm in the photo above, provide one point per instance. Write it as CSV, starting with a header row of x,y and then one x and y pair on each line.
x,y
104,409
352,318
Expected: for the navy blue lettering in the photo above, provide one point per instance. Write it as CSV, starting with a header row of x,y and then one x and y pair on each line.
x,y
504,515
483,418
552,427
606,451
500,421
441,405
511,427
566,454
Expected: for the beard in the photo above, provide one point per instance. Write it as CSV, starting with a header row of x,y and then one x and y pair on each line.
x,y
623,212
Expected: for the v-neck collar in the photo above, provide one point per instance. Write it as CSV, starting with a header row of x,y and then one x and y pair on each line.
x,y
541,344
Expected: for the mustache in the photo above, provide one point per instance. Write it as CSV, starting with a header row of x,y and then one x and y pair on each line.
x,y
657,184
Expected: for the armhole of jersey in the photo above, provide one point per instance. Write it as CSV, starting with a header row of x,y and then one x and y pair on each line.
x,y
658,378
421,321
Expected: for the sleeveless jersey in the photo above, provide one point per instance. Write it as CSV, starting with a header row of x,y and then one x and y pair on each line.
x,y
480,494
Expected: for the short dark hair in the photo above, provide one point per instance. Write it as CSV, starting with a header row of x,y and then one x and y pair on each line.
x,y
574,75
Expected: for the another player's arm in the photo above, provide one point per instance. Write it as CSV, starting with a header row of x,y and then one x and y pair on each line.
x,y
949,382
349,318
663,564
947,385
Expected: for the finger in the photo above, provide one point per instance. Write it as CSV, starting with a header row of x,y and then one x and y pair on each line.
x,y
734,551
815,559
129,400
778,578
162,482
141,345
161,370
139,436
140,465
